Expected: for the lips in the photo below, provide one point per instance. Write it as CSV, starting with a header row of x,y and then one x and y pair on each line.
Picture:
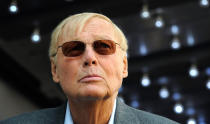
x,y
91,78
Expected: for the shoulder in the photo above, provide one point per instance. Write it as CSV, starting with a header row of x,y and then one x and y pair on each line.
x,y
149,117
44,116
138,116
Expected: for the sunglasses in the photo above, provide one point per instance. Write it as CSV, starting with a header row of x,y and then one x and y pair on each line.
x,y
77,48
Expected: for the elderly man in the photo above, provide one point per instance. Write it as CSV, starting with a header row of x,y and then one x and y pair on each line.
x,y
88,60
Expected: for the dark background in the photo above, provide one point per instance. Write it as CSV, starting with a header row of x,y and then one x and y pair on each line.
x,y
25,66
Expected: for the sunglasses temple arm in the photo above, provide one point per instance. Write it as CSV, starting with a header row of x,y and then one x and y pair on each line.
x,y
53,55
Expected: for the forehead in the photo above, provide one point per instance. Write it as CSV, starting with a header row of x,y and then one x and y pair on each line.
x,y
94,28
96,24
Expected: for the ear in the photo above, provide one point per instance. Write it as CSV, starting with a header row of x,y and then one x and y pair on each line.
x,y
54,71
125,67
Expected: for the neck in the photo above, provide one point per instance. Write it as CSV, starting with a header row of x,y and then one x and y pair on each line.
x,y
92,112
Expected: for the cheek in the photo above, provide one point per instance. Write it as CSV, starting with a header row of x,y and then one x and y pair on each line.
x,y
113,70
68,75
117,67
67,71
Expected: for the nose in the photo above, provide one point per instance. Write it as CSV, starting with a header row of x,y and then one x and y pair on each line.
x,y
89,57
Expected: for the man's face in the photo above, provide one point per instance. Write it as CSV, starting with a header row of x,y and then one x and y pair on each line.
x,y
102,76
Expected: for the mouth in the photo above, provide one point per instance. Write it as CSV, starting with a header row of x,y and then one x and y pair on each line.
x,y
91,78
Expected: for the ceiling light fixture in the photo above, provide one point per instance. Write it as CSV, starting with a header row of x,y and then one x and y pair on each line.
x,y
191,121
13,8
193,71
174,29
201,119
35,37
164,93
163,80
143,49
145,14
176,96
208,84
207,71
190,40
190,111
204,3
159,23
175,43
145,81
178,108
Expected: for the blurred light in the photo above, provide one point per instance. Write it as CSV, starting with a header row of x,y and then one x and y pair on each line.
x,y
201,119
174,29
164,93
159,23
190,111
13,8
191,121
204,3
142,49
35,37
135,104
202,122
208,71
193,71
176,96
175,44
163,80
145,14
208,84
190,40
178,108
145,81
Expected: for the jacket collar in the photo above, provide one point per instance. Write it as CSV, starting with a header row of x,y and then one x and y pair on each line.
x,y
122,114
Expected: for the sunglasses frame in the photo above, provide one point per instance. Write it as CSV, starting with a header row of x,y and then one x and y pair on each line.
x,y
61,46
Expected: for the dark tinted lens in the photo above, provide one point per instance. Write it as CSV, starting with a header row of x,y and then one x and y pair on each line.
x,y
104,47
73,48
